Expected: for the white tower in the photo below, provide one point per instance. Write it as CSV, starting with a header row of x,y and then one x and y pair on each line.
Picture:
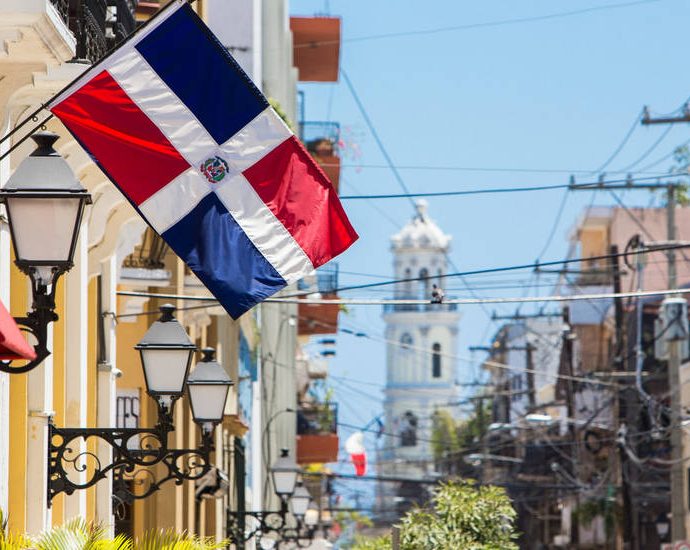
x,y
421,373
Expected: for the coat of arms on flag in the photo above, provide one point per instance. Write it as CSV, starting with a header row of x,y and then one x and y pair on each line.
x,y
193,144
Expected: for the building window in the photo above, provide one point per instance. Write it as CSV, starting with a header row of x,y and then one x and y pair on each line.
x,y
127,413
436,360
407,285
406,342
424,284
408,430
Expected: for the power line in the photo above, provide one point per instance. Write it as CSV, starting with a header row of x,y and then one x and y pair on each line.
x,y
484,271
622,144
374,133
497,23
554,226
455,168
494,190
650,150
466,301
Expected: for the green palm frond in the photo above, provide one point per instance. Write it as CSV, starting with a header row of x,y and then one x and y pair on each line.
x,y
72,535
11,541
169,539
120,542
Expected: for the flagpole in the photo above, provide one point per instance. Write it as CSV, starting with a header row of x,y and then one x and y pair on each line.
x,y
34,115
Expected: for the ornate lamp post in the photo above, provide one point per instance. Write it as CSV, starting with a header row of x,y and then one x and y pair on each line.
x,y
166,353
43,187
287,527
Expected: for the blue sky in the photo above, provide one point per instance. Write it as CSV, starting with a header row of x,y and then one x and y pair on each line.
x,y
552,95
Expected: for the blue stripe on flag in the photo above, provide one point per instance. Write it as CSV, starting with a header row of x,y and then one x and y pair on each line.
x,y
216,249
201,72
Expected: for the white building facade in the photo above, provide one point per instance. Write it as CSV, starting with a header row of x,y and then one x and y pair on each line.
x,y
420,360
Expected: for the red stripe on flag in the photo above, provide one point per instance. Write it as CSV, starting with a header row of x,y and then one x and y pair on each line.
x,y
299,194
127,144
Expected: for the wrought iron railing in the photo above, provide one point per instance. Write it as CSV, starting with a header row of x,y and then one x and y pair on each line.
x,y
62,6
327,278
89,28
317,419
430,307
97,24
320,137
121,20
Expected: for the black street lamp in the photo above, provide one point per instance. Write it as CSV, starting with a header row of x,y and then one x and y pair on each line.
x,y
294,527
208,387
45,203
166,353
663,526
284,474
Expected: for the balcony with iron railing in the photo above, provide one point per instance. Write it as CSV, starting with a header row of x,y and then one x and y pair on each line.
x,y
317,433
313,133
121,20
429,307
319,318
321,139
97,25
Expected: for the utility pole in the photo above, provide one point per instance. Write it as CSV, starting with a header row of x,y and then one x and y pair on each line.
x,y
678,483
630,527
517,316
568,393
678,532
677,478
648,120
531,390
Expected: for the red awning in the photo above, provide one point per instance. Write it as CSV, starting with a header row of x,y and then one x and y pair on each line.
x,y
12,344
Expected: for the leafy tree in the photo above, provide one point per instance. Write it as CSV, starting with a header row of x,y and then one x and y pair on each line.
x,y
444,435
460,515
372,543
449,436
606,508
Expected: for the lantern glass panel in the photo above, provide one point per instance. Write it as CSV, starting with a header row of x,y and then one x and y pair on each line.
x,y
165,370
43,228
300,501
208,401
311,517
284,481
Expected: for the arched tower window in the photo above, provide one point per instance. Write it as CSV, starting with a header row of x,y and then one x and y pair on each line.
x,y
406,342
424,284
408,430
407,285
436,360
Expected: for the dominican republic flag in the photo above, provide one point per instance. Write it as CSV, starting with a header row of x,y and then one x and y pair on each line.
x,y
358,454
183,132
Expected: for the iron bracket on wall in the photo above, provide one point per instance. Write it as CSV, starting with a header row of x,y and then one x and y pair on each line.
x,y
134,452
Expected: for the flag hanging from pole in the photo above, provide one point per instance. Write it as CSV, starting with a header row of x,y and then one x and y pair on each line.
x,y
182,131
358,454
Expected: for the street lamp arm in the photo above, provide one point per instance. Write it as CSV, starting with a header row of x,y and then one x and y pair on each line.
x,y
180,465
264,522
36,323
296,537
66,461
